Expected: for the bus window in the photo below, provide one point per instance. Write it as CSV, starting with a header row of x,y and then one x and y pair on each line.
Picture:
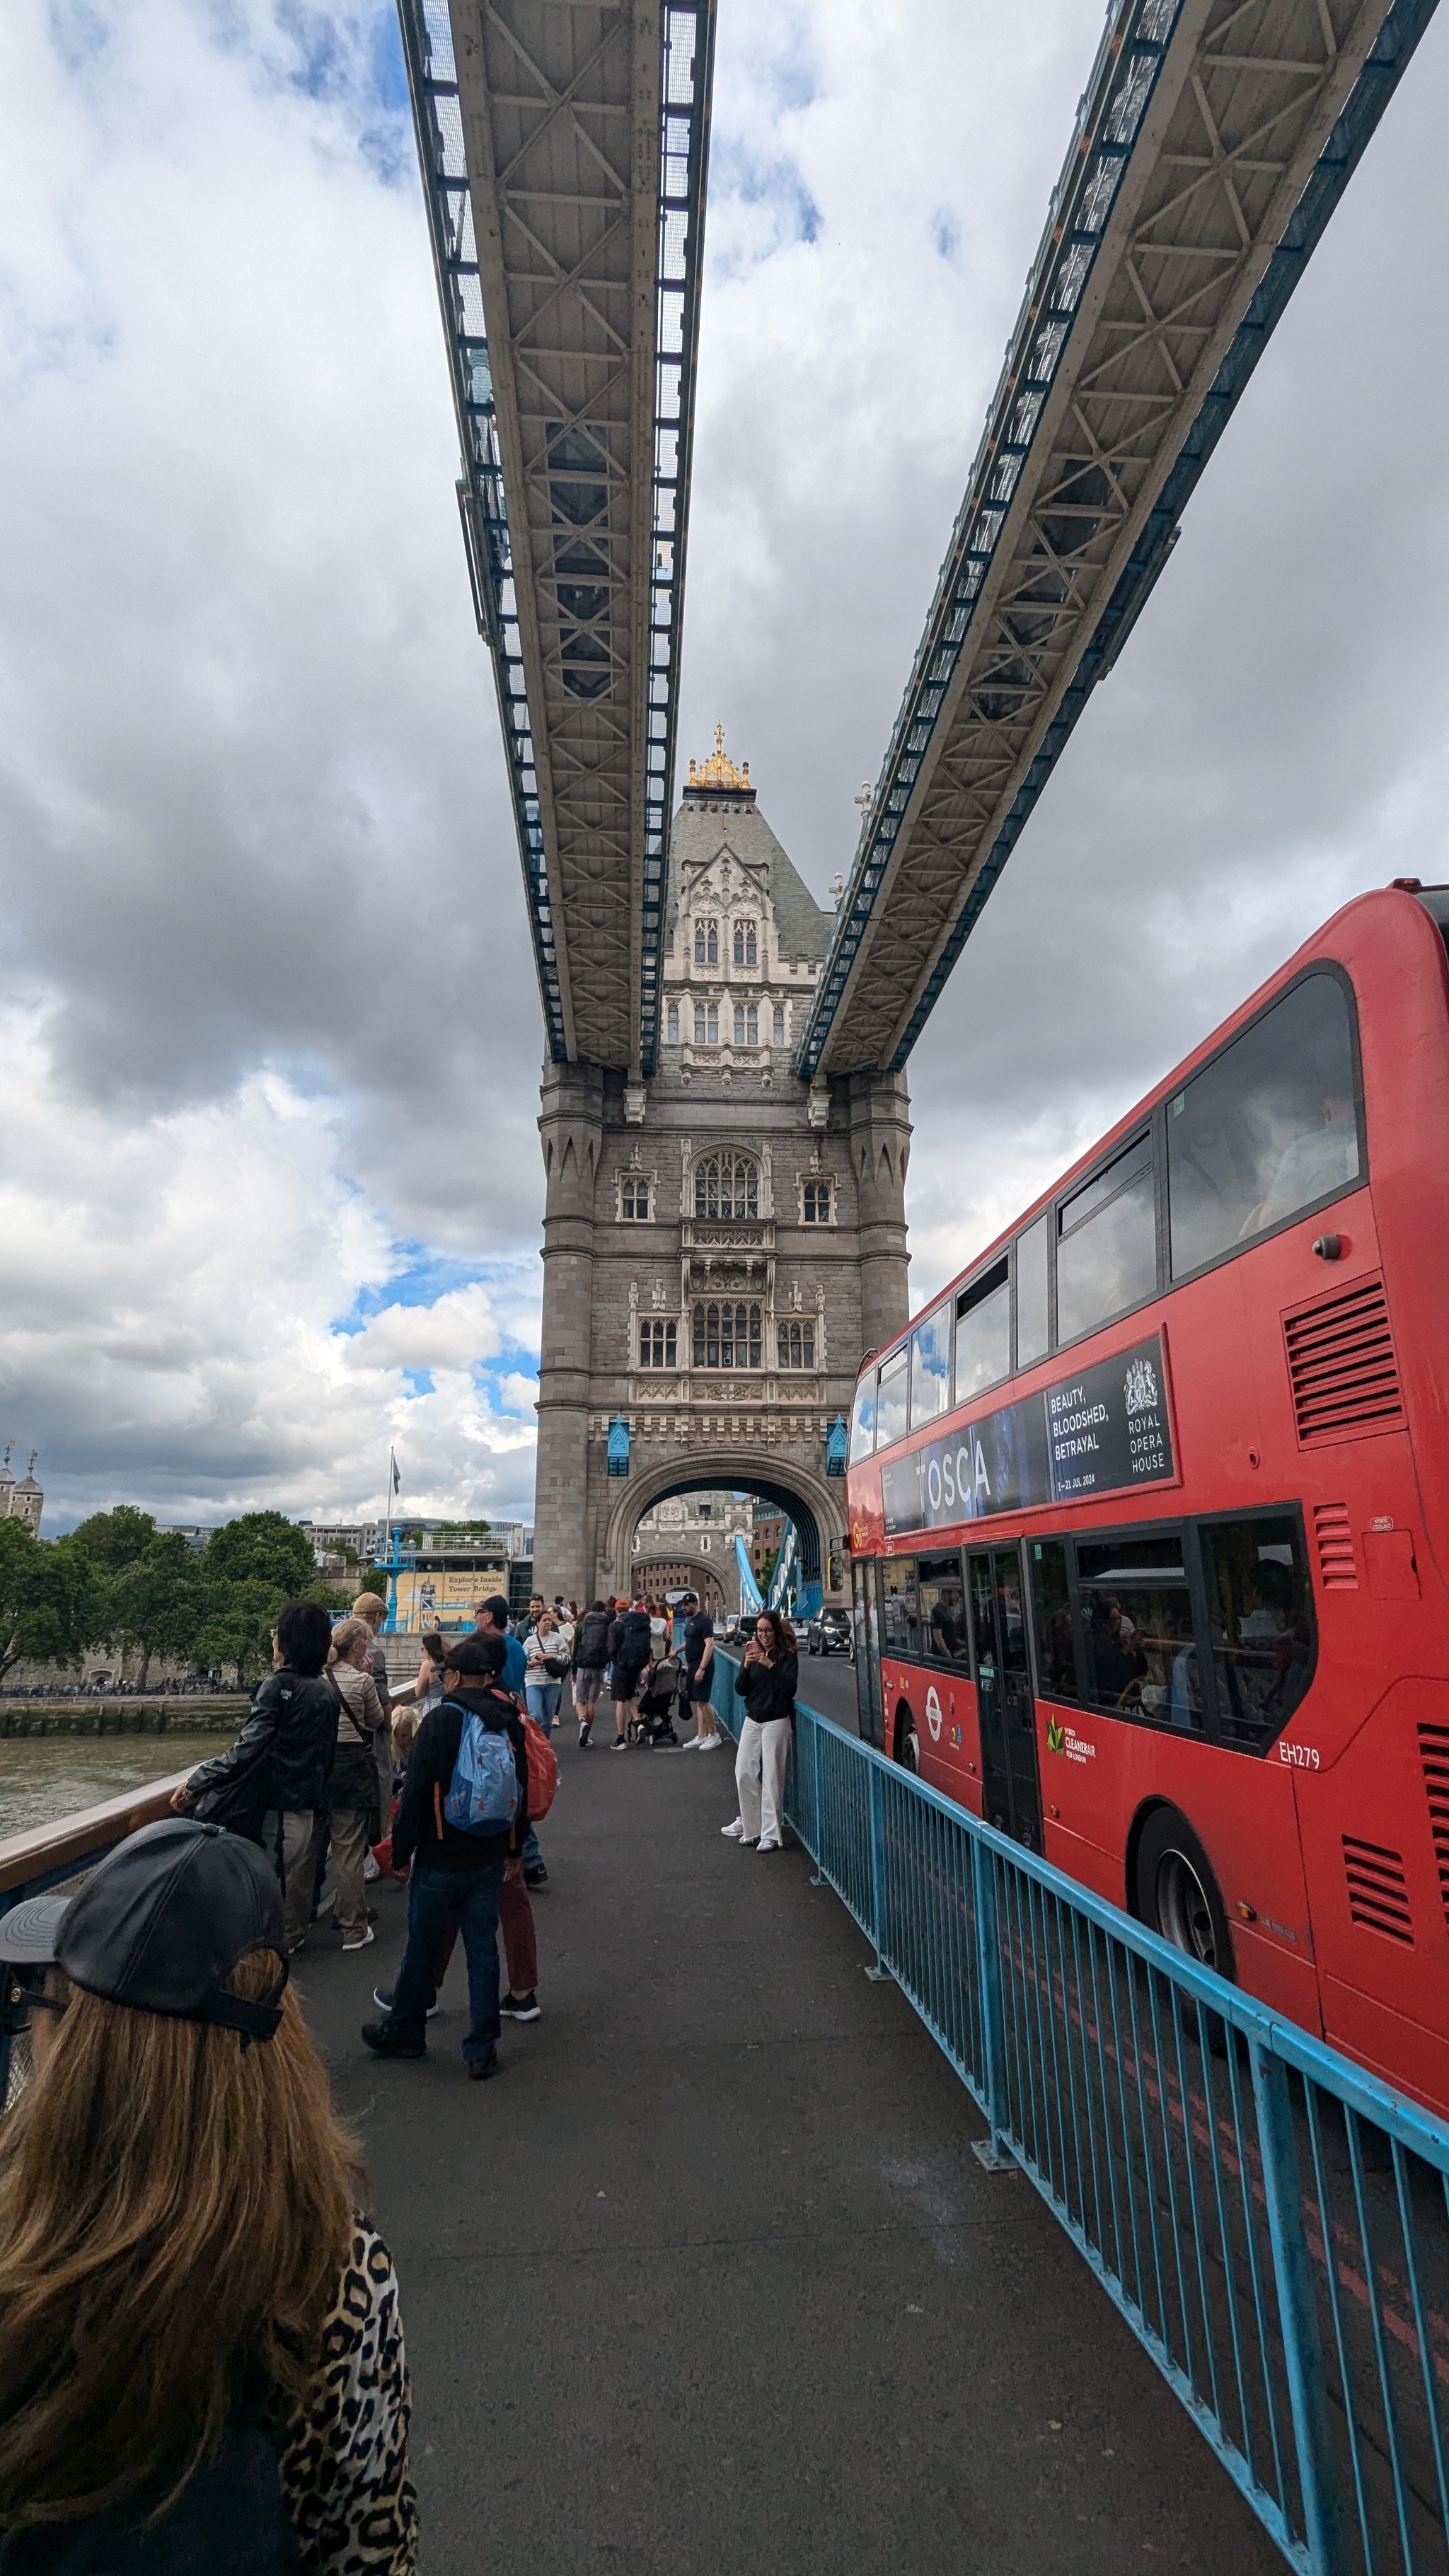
x,y
1056,1650
899,1626
931,1367
983,1616
1107,1252
890,1412
1267,1130
1032,1334
1137,1629
1260,1614
862,1420
943,1610
983,1333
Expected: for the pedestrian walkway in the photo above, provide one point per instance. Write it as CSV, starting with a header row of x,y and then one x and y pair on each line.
x,y
711,2279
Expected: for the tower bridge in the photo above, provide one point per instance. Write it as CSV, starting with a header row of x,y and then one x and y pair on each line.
x,y
702,1103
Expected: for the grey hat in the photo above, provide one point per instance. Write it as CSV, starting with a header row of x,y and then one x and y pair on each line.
x,y
160,1925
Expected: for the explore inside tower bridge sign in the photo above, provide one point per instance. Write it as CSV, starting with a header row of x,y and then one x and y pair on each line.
x,y
1095,1433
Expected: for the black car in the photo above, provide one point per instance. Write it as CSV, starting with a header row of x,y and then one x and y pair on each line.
x,y
829,1633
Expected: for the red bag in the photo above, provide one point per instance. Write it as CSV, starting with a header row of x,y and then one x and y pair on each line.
x,y
542,1771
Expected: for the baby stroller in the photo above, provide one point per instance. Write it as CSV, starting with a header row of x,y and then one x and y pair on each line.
x,y
659,1697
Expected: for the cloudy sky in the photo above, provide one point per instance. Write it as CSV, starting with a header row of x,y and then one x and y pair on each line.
x,y
269,1178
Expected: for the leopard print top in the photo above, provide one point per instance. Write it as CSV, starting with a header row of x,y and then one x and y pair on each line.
x,y
344,2453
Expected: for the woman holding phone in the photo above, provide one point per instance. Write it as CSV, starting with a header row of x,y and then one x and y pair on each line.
x,y
766,1683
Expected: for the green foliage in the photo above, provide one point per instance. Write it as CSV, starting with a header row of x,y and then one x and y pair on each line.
x,y
263,1547
156,1602
115,1539
47,1598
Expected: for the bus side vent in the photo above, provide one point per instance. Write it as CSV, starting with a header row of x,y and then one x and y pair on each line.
x,y
1378,1895
1434,1756
1337,1567
1341,1365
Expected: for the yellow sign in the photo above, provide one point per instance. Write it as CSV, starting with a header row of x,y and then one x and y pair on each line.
x,y
446,1600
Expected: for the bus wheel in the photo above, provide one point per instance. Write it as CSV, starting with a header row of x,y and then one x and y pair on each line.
x,y
908,1742
1177,1893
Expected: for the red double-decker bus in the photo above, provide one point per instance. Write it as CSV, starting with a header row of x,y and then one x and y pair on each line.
x,y
1150,1510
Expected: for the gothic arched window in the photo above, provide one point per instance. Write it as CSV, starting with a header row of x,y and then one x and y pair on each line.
x,y
706,943
797,1346
747,1024
817,1203
779,1028
728,1334
673,1025
706,1024
726,1185
746,953
657,1345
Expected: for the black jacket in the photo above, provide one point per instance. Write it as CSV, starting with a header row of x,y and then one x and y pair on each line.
x,y
283,1756
591,1642
632,1649
768,1690
416,1830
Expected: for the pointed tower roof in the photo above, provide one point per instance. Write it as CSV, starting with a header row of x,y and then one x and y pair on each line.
x,y
719,812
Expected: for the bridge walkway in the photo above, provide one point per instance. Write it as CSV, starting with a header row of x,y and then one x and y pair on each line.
x,y
711,2280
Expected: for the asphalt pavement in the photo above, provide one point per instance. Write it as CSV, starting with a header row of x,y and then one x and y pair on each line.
x,y
709,2279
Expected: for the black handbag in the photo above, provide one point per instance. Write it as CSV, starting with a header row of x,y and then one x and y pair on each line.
x,y
242,1798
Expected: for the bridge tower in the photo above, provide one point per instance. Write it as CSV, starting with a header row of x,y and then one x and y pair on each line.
x,y
722,1242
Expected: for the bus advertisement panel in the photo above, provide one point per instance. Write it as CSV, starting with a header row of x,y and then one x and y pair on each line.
x,y
1101,1431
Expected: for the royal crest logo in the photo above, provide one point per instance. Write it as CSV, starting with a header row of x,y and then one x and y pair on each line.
x,y
1140,1386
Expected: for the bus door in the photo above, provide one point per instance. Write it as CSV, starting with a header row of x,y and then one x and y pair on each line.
x,y
1005,1709
866,1619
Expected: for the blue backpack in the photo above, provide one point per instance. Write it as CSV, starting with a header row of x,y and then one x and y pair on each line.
x,y
483,1792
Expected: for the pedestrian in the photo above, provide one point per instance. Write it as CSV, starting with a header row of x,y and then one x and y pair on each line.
x,y
699,1674
201,2358
491,1619
629,1648
371,1607
272,1784
591,1653
536,1609
364,1744
545,1664
766,1683
456,1872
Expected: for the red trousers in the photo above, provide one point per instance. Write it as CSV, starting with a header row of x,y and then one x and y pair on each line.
x,y
520,1944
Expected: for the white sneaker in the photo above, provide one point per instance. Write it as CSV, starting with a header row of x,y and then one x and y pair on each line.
x,y
734,1833
768,1842
362,1940
710,1743
692,1746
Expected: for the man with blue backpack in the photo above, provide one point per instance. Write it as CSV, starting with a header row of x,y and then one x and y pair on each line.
x,y
461,1821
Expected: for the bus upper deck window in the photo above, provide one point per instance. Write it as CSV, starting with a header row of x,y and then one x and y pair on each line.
x,y
1107,1253
862,1420
1032,1330
931,1366
890,1418
1260,1613
1267,1130
983,1332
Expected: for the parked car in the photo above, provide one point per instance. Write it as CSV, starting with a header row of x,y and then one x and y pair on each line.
x,y
829,1633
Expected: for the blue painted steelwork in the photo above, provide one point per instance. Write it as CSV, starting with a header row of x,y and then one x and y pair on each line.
x,y
751,1597
1272,2221
837,1447
618,1446
1136,39
687,62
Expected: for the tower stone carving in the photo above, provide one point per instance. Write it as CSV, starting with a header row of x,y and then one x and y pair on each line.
x,y
722,1243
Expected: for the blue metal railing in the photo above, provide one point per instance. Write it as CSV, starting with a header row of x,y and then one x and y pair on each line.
x,y
1272,2222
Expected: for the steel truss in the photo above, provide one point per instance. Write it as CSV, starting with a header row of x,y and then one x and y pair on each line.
x,y
563,151
1213,142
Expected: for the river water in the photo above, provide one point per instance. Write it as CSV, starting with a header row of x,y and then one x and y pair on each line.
x,y
45,1776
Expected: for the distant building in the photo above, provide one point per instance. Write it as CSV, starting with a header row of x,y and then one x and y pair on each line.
x,y
20,1499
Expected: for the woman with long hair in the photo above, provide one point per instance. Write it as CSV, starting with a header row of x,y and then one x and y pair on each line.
x,y
201,2359
766,1683
364,1751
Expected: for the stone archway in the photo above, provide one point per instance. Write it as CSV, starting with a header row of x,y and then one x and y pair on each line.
x,y
667,1569
814,1503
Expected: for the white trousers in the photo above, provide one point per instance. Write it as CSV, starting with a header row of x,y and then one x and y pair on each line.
x,y
760,1776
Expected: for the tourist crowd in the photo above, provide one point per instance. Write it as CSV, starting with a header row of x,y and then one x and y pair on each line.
x,y
201,2356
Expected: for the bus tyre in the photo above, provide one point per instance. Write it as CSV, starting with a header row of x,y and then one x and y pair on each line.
x,y
1178,1894
908,1742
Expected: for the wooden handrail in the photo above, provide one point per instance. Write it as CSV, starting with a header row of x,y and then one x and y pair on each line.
x,y
47,1848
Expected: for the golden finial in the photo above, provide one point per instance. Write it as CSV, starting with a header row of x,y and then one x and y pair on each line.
x,y
719,771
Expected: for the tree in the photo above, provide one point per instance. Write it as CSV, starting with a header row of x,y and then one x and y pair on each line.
x,y
48,1602
157,1603
236,1626
114,1539
263,1547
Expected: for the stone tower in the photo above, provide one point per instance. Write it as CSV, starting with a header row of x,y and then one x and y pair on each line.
x,y
722,1243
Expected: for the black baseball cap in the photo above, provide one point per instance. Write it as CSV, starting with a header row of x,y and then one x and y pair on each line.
x,y
161,1924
